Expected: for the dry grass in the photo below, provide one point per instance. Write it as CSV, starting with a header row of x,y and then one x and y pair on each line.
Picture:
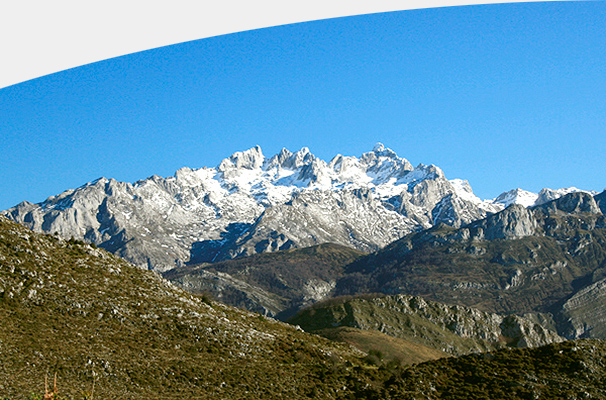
x,y
390,348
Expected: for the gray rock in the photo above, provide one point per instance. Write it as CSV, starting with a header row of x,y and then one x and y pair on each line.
x,y
514,222
251,204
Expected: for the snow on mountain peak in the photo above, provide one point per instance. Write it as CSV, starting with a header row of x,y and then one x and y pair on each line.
x,y
301,158
516,196
422,172
546,195
378,147
382,151
249,203
249,159
279,159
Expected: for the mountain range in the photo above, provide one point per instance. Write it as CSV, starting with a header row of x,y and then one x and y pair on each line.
x,y
369,251
251,204
547,260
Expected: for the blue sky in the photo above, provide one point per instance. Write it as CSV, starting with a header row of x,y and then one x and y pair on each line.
x,y
505,96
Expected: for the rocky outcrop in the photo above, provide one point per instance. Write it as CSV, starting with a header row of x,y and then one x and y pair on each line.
x,y
512,223
583,315
573,203
450,328
600,200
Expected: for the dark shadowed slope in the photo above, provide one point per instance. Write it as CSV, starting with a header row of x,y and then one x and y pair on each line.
x,y
276,284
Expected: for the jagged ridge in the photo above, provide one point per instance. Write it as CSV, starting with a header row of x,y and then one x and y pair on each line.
x,y
251,204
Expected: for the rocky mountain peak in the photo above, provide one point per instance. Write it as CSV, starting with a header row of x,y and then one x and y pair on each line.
x,y
378,147
573,203
546,195
279,159
516,221
245,206
300,158
382,151
423,172
385,163
517,196
249,159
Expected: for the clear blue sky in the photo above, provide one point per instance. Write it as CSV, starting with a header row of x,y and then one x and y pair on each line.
x,y
505,96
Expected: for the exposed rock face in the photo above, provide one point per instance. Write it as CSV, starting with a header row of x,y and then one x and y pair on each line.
x,y
600,200
513,222
231,290
546,195
572,204
251,204
584,314
453,329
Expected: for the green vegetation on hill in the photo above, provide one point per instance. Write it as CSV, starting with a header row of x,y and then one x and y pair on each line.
x,y
381,348
568,370
71,309
420,325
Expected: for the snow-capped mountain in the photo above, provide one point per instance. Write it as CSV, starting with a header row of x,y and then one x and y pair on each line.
x,y
517,196
250,204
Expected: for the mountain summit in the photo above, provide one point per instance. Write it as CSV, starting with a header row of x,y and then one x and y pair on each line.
x,y
251,204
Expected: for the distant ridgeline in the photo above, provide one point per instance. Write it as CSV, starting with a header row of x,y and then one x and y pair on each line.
x,y
251,204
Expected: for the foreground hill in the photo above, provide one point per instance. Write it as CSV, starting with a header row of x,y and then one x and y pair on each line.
x,y
568,370
549,258
78,311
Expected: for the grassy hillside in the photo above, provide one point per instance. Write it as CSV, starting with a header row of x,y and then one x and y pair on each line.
x,y
420,325
569,370
86,315
382,348
96,321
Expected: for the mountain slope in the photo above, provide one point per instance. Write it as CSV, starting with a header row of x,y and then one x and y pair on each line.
x,y
454,330
569,370
275,284
69,308
95,320
516,261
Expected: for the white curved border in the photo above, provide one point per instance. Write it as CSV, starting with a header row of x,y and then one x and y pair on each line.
x,y
40,37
